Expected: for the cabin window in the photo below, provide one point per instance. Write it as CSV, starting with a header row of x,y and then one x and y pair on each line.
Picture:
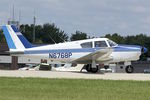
x,y
86,45
100,44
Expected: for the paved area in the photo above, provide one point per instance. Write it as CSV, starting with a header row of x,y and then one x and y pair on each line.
x,y
74,75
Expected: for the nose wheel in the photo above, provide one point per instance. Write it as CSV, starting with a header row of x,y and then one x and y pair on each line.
x,y
129,69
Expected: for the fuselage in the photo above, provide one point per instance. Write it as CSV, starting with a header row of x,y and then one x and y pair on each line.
x,y
69,51
97,50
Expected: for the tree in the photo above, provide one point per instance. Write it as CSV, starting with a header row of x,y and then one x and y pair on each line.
x,y
27,31
116,38
2,38
78,36
47,33
50,34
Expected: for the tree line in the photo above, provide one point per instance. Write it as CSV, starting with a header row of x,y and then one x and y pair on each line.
x,y
50,34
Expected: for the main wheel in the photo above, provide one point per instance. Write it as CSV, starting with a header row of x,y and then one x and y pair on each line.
x,y
129,69
88,68
94,70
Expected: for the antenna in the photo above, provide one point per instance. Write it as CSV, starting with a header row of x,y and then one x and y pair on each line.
x,y
13,14
61,38
34,21
51,38
19,16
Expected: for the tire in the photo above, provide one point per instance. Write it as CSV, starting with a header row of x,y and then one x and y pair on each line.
x,y
129,69
88,68
95,70
92,70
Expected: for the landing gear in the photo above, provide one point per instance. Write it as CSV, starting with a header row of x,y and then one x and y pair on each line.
x,y
129,69
94,70
89,68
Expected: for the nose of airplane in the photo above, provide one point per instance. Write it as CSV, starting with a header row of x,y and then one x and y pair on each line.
x,y
144,50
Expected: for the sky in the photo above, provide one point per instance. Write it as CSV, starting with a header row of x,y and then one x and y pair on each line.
x,y
94,17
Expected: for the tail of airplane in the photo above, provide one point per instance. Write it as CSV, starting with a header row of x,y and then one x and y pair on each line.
x,y
24,41
15,40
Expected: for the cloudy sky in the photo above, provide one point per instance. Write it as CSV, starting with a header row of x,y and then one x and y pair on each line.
x,y
95,17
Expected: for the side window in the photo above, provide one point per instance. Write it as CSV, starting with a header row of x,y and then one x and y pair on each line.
x,y
86,45
100,44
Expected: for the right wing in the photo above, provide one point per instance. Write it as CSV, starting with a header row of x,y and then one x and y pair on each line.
x,y
102,55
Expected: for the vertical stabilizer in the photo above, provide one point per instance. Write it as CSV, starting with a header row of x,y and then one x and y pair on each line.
x,y
24,41
12,39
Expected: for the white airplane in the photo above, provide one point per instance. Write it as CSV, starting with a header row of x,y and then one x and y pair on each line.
x,y
91,52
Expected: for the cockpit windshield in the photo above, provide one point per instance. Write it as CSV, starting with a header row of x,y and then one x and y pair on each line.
x,y
111,43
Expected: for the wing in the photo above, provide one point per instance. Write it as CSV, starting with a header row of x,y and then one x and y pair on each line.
x,y
100,55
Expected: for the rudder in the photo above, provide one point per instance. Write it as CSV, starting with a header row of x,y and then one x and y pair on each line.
x,y
12,39
24,41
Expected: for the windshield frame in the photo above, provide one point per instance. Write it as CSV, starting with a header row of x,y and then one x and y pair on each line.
x,y
114,43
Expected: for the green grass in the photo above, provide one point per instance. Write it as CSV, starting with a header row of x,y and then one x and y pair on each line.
x,y
69,89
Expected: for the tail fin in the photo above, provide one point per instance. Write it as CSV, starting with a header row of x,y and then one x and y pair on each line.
x,y
15,40
14,43
24,41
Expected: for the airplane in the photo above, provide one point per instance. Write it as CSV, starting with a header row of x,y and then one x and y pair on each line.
x,y
94,53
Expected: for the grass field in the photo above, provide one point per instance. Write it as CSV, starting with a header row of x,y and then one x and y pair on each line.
x,y
67,89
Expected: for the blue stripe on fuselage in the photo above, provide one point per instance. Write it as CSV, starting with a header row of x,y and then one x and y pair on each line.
x,y
126,49
132,46
116,49
10,42
60,50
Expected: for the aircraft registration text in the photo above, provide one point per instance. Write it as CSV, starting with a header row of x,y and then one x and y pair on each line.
x,y
60,55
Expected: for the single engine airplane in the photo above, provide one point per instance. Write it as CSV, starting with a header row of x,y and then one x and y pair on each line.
x,y
91,52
